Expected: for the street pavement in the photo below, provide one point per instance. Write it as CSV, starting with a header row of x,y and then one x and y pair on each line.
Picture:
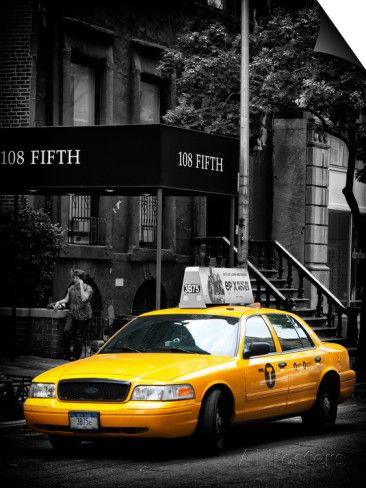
x,y
280,454
29,366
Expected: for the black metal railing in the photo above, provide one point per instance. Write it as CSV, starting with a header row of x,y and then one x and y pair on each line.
x,y
271,258
97,330
272,255
13,392
215,251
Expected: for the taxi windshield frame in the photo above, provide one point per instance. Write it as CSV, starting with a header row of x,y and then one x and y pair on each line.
x,y
147,334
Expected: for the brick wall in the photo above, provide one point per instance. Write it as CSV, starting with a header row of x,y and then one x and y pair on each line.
x,y
39,332
15,62
6,202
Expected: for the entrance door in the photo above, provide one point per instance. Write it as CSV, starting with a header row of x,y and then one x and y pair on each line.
x,y
144,300
266,381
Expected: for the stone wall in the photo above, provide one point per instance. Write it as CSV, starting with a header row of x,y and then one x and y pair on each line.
x,y
316,222
289,184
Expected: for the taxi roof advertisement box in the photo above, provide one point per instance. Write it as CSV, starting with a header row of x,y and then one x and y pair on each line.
x,y
215,286
131,158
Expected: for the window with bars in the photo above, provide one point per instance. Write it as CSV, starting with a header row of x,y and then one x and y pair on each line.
x,y
150,113
227,6
216,3
148,210
85,227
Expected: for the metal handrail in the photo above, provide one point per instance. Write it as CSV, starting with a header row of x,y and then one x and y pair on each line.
x,y
266,283
303,273
310,277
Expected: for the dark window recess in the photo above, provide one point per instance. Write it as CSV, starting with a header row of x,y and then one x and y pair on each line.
x,y
229,6
148,209
85,227
144,300
93,390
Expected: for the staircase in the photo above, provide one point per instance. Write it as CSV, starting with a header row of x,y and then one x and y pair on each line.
x,y
280,281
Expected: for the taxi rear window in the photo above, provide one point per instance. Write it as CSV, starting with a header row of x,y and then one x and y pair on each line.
x,y
289,332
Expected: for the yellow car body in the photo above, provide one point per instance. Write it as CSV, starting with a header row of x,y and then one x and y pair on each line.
x,y
279,383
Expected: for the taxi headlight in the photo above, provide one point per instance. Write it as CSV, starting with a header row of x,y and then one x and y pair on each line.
x,y
42,390
163,392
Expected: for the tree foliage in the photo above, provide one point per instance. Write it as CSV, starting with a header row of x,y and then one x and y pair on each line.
x,y
284,72
38,243
206,63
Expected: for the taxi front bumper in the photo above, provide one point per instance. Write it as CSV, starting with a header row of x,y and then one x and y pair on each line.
x,y
130,419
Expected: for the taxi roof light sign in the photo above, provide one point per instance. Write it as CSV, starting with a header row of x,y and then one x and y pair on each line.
x,y
215,286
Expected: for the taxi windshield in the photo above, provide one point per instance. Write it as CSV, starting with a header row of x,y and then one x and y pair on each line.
x,y
181,333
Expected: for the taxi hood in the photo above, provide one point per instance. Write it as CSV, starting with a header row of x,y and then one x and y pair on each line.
x,y
160,367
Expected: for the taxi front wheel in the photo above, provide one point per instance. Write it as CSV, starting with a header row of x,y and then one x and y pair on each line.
x,y
63,443
212,424
323,415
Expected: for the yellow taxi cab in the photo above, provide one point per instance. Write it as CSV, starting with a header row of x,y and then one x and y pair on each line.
x,y
194,371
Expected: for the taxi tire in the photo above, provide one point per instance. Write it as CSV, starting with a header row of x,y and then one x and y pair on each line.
x,y
63,443
212,423
322,416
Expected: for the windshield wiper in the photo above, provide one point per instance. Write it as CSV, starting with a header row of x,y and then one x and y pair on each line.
x,y
179,349
124,349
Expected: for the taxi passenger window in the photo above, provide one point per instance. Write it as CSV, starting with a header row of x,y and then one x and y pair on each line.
x,y
286,332
305,339
256,330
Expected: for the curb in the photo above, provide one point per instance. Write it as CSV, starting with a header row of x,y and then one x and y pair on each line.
x,y
13,425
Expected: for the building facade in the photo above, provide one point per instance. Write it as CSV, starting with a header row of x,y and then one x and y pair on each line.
x,y
73,63
68,63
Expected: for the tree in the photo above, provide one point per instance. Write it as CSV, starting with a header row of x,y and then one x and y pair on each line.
x,y
206,63
38,243
285,72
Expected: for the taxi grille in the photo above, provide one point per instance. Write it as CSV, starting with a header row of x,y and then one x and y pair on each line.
x,y
93,390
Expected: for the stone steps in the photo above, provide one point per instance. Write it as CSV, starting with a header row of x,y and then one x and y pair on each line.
x,y
308,314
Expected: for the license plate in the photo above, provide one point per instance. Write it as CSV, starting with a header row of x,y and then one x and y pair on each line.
x,y
84,420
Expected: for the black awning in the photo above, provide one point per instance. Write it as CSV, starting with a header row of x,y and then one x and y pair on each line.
x,y
129,159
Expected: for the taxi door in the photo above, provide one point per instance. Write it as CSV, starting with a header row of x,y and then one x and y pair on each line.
x,y
302,358
266,378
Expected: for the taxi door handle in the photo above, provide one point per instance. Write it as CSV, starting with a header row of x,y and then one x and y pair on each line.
x,y
282,365
318,359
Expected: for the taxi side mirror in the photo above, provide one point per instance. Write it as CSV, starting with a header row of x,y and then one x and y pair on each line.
x,y
257,349
96,345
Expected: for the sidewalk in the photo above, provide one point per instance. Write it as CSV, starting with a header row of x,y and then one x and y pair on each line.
x,y
30,366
